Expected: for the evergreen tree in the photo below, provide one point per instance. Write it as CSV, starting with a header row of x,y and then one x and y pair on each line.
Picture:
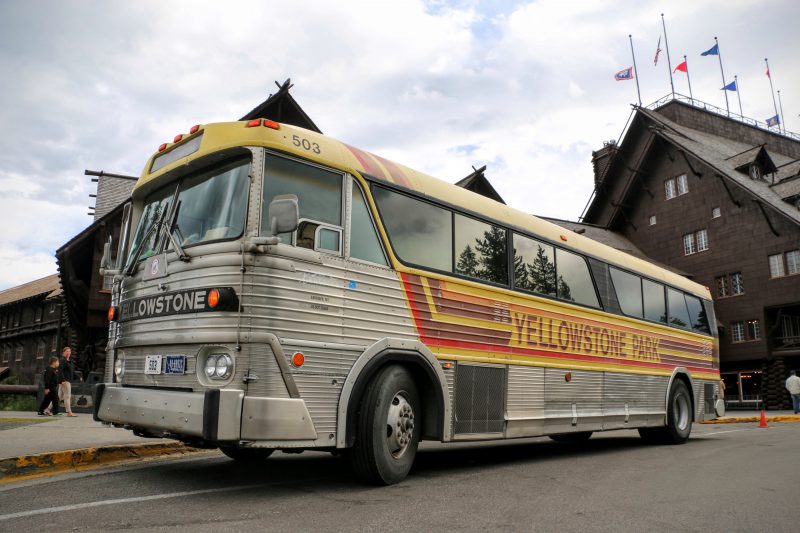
x,y
493,255
520,273
542,274
467,263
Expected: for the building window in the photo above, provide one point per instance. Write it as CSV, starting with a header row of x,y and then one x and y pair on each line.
x,y
737,283
37,314
793,262
776,266
702,240
688,244
40,348
6,354
716,213
669,188
652,220
749,330
722,286
19,354
683,184
17,315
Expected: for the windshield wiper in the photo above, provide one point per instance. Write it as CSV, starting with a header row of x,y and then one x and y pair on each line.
x,y
173,226
138,254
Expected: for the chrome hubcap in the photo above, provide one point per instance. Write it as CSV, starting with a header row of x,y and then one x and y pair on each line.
x,y
680,407
399,425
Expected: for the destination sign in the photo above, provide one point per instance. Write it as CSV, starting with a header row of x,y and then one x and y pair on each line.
x,y
177,303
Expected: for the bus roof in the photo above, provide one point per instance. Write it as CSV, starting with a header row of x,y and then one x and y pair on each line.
x,y
333,153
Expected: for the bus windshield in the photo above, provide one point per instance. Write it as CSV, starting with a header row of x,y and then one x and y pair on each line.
x,y
212,206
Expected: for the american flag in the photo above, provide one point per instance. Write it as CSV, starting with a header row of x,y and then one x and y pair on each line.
x,y
658,51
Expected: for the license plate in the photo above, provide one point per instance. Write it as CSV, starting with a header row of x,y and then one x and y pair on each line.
x,y
152,364
176,364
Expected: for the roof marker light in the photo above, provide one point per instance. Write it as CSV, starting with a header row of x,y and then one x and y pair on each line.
x,y
271,124
194,129
178,138
564,238
162,147
253,123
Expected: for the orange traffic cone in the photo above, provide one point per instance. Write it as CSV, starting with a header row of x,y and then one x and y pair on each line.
x,y
763,423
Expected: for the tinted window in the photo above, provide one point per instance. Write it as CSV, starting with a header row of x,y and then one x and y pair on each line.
x,y
629,292
319,193
364,242
534,266
655,308
678,313
147,236
420,233
574,280
481,250
697,314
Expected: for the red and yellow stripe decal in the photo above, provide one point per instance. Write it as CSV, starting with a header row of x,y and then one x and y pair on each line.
x,y
459,321
381,168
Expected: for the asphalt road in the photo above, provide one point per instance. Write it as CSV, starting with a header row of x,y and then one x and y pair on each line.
x,y
726,478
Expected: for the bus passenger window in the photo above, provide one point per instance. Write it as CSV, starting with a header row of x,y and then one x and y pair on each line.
x,y
655,307
420,233
574,280
319,195
678,313
629,292
697,314
364,242
534,266
481,250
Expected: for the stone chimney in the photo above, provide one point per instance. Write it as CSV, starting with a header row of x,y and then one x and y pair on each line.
x,y
601,160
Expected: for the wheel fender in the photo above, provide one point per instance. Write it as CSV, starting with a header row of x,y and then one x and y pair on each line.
x,y
684,373
370,361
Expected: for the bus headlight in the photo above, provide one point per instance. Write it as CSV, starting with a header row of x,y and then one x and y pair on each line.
x,y
119,367
211,366
224,366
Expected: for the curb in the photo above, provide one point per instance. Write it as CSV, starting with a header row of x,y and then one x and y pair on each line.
x,y
43,464
756,419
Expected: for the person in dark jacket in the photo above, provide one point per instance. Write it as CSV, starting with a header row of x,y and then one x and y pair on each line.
x,y
51,379
67,371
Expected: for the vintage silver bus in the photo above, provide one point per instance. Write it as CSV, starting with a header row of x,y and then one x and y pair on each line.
x,y
278,289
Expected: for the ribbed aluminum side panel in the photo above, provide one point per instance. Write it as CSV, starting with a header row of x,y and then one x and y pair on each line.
x,y
321,394
699,399
262,364
631,399
525,392
450,376
584,391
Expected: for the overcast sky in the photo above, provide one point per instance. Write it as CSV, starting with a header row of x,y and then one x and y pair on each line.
x,y
526,88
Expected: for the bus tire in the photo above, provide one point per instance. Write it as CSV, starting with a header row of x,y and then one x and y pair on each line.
x,y
246,455
679,418
387,432
573,438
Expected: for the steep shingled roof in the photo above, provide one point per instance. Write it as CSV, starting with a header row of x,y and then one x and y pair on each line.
x,y
47,287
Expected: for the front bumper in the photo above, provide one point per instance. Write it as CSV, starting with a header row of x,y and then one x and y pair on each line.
x,y
215,415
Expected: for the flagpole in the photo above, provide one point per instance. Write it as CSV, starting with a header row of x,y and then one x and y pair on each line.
x,y
781,104
636,71
669,63
719,56
691,97
738,94
773,93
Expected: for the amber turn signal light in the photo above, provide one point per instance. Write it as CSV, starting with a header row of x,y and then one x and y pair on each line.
x,y
112,314
298,359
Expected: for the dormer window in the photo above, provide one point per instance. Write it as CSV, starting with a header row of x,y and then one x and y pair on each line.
x,y
755,171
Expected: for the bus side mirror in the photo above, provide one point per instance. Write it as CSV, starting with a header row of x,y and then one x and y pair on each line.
x,y
284,217
284,214
106,266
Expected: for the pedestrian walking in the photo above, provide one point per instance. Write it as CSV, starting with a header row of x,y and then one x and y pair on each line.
x,y
67,373
50,378
793,386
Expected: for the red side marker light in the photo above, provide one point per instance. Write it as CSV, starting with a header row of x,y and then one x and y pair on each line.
x,y
568,377
448,366
178,138
213,298
194,129
162,147
564,238
298,359
253,123
271,124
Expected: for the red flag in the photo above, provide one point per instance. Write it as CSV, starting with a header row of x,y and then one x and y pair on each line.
x,y
681,67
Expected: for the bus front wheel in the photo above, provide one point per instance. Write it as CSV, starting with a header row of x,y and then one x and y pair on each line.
x,y
387,428
679,418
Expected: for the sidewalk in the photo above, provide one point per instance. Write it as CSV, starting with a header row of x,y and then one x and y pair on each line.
x,y
32,445
735,417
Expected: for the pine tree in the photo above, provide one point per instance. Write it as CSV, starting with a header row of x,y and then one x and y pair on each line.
x,y
467,263
493,255
542,274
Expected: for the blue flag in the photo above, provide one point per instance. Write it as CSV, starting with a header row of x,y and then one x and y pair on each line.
x,y
773,121
730,87
623,75
713,51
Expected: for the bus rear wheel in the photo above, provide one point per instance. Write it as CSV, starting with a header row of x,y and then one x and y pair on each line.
x,y
246,455
679,418
387,428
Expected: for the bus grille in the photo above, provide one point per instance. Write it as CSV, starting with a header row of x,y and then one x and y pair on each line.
x,y
479,399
